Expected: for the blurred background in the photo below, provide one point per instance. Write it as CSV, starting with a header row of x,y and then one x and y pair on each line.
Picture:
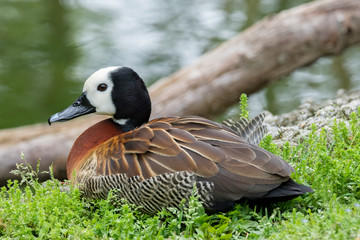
x,y
48,48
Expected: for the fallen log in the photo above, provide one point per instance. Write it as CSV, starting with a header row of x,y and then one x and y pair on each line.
x,y
268,50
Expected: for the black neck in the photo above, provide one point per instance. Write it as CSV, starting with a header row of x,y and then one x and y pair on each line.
x,y
131,97
126,125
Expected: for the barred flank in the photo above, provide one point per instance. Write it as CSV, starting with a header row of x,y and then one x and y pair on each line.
x,y
152,194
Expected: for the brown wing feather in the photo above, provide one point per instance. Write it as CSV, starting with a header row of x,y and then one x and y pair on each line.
x,y
210,150
134,166
146,167
180,162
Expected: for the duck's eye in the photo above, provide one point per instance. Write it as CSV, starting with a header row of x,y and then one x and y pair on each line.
x,y
102,87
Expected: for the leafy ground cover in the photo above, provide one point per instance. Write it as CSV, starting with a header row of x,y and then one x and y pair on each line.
x,y
327,160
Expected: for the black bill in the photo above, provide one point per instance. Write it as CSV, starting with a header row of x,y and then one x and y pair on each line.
x,y
80,107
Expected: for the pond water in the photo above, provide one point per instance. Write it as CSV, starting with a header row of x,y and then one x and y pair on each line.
x,y
48,48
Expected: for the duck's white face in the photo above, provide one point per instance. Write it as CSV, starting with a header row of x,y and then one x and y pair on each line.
x,y
115,91
98,88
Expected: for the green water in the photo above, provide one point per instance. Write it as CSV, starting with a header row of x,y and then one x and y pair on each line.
x,y
48,48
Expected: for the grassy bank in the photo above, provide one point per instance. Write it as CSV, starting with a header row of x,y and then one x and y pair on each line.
x,y
328,161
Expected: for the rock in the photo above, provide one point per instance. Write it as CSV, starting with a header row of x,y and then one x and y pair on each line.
x,y
295,126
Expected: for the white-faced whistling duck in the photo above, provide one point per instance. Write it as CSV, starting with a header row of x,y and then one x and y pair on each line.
x,y
156,164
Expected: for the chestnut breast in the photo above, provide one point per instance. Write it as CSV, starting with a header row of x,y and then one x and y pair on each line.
x,y
88,140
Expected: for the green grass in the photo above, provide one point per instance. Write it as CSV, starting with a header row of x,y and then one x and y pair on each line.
x,y
243,106
328,161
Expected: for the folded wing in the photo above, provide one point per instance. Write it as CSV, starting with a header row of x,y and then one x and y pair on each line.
x,y
213,152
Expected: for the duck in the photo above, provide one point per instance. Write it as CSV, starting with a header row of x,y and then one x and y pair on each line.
x,y
156,164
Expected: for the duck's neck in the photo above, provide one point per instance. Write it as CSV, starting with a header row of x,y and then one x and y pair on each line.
x,y
125,125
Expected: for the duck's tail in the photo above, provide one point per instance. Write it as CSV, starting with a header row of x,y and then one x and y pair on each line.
x,y
286,191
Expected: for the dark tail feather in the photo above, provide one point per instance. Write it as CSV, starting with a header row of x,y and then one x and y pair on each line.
x,y
290,188
286,191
